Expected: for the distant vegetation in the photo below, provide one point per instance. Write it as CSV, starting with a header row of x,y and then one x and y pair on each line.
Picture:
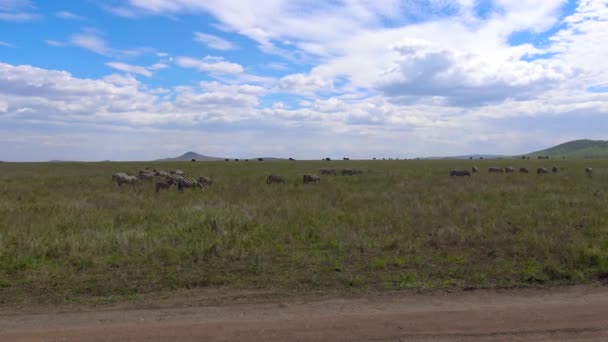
x,y
68,233
578,149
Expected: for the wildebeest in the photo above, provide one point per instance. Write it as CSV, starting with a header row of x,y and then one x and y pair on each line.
x,y
275,179
523,170
555,169
166,184
589,171
205,181
311,179
460,173
510,169
541,170
327,172
474,169
496,170
183,183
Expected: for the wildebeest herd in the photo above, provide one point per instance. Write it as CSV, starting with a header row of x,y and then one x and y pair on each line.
x,y
164,180
511,169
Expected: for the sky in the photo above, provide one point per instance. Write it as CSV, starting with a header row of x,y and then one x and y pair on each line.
x,y
147,79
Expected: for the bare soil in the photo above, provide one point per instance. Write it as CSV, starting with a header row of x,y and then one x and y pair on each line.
x,y
578,313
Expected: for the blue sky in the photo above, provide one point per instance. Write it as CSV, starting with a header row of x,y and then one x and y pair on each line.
x,y
137,79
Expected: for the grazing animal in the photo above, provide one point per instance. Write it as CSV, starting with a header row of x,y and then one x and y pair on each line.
x,y
311,179
117,175
166,184
126,179
205,181
275,179
161,173
496,170
523,170
146,176
188,183
349,172
589,171
460,173
177,172
510,169
555,169
327,172
541,170
474,169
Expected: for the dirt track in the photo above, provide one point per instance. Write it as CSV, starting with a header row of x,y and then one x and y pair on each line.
x,y
574,313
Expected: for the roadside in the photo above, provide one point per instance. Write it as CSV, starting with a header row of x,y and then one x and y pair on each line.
x,y
566,313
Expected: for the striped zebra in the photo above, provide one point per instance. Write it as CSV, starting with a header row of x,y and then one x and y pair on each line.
x,y
474,169
183,183
205,181
275,179
177,172
126,179
166,184
161,173
117,175
328,172
146,176
311,179
589,171
349,172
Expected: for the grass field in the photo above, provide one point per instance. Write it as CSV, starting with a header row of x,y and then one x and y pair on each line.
x,y
67,233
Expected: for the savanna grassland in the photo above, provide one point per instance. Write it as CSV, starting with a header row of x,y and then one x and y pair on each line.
x,y
67,233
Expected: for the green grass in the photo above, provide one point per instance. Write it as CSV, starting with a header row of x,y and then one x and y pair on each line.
x,y
67,232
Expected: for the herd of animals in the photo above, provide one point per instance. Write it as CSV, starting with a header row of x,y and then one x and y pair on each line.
x,y
510,169
179,179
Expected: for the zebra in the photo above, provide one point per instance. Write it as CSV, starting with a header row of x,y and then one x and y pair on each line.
x,y
205,181
177,172
460,173
275,179
164,185
349,172
117,175
126,179
589,171
523,170
541,170
161,173
328,172
496,170
146,176
510,169
474,169
188,183
311,179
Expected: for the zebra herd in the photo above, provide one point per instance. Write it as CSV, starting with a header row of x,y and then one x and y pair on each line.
x,y
179,179
173,177
510,169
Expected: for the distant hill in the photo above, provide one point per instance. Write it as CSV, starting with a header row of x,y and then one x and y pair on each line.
x,y
590,149
188,156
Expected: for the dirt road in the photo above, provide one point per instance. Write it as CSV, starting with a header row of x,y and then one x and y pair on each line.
x,y
573,313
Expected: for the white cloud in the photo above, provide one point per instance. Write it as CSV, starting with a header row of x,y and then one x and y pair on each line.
x,y
18,11
209,64
68,15
55,43
5,44
130,68
92,40
214,42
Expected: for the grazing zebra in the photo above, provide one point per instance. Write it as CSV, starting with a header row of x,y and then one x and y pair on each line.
x,y
275,179
523,170
496,170
474,169
166,184
188,183
161,173
460,173
541,170
328,172
177,172
311,179
117,175
205,181
510,169
589,171
555,169
146,176
349,172
126,179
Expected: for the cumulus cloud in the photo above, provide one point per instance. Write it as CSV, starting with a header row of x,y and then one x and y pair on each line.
x,y
214,42
209,64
